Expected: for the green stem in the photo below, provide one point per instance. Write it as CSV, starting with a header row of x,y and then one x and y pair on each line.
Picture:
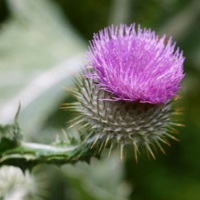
x,y
27,155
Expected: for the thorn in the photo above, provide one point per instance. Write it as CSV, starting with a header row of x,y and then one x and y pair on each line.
x,y
66,135
150,151
17,114
122,152
179,125
164,141
136,151
177,97
181,109
70,91
118,139
154,148
136,155
107,140
77,122
173,130
102,145
172,137
176,112
95,141
83,126
110,150
160,147
88,136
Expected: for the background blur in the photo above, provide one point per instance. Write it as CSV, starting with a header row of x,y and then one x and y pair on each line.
x,y
42,45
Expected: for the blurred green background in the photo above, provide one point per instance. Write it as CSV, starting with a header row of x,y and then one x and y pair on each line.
x,y
42,45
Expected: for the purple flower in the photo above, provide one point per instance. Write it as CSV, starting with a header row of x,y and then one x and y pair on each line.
x,y
139,74
135,65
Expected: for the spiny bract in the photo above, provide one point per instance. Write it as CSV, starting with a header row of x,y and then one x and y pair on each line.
x,y
121,122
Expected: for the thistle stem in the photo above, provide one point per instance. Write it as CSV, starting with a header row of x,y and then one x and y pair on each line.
x,y
26,155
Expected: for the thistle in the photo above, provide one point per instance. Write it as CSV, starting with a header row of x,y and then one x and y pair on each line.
x,y
126,92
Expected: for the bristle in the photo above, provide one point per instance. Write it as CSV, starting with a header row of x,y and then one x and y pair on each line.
x,y
102,145
110,149
148,148
159,146
136,151
95,141
122,151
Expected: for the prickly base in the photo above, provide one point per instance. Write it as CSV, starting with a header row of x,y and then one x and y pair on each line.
x,y
119,122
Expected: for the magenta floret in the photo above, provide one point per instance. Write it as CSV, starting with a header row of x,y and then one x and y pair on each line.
x,y
135,64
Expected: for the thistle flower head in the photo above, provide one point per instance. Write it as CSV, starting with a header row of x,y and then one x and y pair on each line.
x,y
135,64
126,95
